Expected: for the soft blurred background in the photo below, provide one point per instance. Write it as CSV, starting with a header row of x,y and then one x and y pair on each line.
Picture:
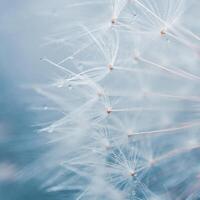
x,y
23,26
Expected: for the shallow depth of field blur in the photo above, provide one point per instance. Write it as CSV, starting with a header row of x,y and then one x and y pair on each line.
x,y
24,25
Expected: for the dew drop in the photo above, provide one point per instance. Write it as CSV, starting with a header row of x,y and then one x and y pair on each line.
x,y
42,58
60,83
168,40
80,66
45,107
70,87
50,130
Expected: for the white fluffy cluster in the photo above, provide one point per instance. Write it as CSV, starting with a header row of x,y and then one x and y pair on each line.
x,y
124,102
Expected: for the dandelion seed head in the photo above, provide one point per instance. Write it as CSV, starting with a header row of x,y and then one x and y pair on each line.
x,y
125,107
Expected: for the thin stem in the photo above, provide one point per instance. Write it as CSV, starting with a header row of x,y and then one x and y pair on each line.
x,y
174,153
180,73
166,130
163,21
190,98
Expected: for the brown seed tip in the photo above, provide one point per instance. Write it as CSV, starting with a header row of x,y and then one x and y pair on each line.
x,y
113,21
109,110
110,66
132,173
163,32
99,94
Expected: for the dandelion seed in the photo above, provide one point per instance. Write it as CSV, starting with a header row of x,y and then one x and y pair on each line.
x,y
69,87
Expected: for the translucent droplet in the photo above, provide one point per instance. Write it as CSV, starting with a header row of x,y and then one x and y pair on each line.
x,y
168,40
94,151
43,58
45,107
80,66
134,15
70,87
60,83
50,130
